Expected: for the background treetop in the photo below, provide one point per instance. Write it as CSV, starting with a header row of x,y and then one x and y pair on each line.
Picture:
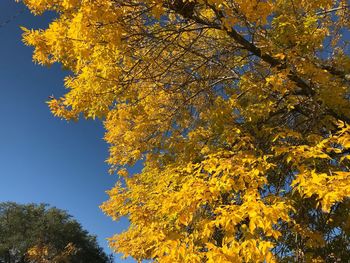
x,y
41,234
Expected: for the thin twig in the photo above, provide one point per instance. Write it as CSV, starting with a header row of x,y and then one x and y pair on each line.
x,y
332,10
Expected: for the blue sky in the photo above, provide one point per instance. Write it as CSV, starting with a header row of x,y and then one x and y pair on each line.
x,y
42,158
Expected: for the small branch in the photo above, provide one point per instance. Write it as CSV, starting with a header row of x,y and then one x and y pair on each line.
x,y
332,10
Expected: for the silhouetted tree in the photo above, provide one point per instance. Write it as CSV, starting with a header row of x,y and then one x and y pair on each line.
x,y
38,227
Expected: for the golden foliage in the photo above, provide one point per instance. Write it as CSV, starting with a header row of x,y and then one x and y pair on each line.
x,y
238,109
47,254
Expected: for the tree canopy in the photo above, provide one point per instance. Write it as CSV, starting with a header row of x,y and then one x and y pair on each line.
x,y
36,233
238,109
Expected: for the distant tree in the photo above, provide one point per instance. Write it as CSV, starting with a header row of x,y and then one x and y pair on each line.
x,y
37,233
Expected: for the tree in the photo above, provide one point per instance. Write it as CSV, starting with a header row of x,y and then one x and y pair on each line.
x,y
239,110
41,234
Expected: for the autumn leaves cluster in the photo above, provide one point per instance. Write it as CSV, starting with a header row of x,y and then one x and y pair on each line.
x,y
239,111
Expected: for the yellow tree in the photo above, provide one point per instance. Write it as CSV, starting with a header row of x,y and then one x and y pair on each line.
x,y
239,110
48,254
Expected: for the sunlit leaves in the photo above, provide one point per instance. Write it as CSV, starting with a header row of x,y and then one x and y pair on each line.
x,y
238,110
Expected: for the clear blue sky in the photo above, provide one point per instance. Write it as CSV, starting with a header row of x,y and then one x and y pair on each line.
x,y
42,158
